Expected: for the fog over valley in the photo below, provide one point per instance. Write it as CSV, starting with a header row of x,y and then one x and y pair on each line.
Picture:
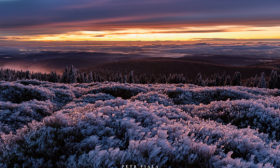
x,y
54,56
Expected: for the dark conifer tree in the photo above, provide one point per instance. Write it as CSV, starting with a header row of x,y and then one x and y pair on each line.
x,y
236,79
273,80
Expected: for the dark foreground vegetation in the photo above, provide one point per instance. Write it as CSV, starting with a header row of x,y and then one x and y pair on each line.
x,y
73,75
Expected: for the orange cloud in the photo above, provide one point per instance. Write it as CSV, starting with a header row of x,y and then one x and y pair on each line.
x,y
173,34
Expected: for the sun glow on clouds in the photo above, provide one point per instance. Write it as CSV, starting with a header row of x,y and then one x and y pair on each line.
x,y
172,34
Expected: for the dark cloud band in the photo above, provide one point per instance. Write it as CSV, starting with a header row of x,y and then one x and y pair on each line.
x,y
54,16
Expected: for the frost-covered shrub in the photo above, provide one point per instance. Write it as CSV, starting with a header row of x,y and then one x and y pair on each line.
x,y
238,144
77,91
30,82
207,94
96,140
92,98
15,116
63,96
153,97
258,91
124,91
259,114
134,133
112,124
88,99
18,93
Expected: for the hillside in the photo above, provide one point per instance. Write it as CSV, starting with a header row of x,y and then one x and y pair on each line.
x,y
107,124
190,66
56,61
187,66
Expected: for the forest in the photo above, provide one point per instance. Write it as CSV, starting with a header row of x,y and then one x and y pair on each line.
x,y
73,75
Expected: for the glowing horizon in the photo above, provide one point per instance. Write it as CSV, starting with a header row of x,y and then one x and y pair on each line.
x,y
182,34
147,20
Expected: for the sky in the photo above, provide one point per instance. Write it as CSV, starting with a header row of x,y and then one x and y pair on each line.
x,y
134,20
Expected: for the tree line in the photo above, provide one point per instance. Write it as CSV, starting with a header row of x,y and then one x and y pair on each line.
x,y
73,75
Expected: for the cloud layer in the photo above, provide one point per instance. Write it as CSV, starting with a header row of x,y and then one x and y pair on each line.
x,y
52,16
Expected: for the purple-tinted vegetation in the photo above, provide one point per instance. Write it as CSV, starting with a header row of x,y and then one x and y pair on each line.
x,y
107,124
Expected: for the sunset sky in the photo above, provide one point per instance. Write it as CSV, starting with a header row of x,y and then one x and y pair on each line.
x,y
133,20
